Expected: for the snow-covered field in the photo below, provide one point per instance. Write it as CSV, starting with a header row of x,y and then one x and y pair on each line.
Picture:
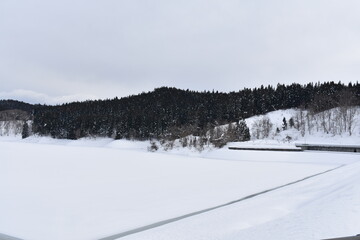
x,y
319,208
89,189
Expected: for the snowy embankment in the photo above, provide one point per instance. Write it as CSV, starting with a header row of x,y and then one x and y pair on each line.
x,y
88,189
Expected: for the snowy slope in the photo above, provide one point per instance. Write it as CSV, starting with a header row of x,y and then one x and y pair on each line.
x,y
11,128
326,127
316,135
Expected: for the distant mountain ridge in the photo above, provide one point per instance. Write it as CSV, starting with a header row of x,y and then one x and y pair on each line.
x,y
14,114
14,104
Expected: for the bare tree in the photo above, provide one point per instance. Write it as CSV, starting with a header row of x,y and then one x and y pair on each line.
x,y
351,119
346,110
256,129
261,128
300,121
267,126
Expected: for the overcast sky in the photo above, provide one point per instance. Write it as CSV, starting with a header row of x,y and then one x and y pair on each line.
x,y
58,51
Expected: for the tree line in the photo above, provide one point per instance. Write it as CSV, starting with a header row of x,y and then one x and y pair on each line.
x,y
170,113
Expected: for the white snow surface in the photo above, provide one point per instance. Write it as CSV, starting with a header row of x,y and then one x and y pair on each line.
x,y
93,188
324,207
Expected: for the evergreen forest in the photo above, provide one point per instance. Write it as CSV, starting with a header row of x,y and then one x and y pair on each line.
x,y
169,113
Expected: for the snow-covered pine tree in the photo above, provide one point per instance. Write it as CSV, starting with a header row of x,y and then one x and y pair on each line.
x,y
242,131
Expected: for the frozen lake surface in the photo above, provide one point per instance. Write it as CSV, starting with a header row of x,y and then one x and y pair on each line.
x,y
89,190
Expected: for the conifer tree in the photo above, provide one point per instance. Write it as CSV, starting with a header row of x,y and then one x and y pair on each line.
x,y
291,122
242,131
284,126
173,113
25,131
277,130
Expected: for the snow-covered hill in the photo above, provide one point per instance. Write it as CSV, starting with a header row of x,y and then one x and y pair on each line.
x,y
11,128
331,126
284,128
12,122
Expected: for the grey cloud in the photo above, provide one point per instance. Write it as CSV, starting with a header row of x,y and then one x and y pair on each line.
x,y
41,98
109,48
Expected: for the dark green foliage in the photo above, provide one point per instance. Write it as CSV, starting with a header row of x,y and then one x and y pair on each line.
x,y
170,113
25,131
13,104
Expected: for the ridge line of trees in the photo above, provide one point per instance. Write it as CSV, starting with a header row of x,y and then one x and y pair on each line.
x,y
170,113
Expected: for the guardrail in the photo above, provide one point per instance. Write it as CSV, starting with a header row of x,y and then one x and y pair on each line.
x,y
267,149
326,147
